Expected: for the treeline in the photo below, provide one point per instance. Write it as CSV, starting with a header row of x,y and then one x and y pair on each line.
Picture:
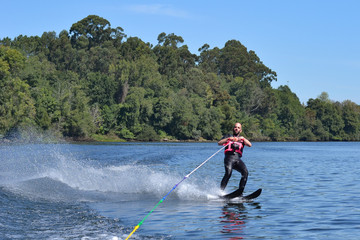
x,y
93,80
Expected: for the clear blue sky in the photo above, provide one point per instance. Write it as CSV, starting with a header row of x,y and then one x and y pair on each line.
x,y
313,45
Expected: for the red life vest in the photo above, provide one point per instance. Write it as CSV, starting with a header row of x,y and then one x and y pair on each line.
x,y
234,147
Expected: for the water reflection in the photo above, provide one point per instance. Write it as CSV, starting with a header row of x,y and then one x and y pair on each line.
x,y
234,218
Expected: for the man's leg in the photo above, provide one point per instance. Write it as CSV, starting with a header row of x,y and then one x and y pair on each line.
x,y
241,167
228,171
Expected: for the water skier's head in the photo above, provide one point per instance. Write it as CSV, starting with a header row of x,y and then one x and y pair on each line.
x,y
237,129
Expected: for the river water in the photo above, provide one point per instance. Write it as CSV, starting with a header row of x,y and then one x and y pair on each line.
x,y
103,190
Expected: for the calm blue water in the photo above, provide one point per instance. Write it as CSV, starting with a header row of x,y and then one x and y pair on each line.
x,y
101,191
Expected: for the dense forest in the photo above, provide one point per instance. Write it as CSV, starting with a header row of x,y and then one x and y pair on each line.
x,y
93,82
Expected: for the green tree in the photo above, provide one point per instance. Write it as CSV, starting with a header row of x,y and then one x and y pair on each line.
x,y
209,59
248,94
137,110
351,117
172,59
110,115
4,68
94,31
62,53
16,105
30,46
101,88
134,48
194,81
77,120
11,61
235,60
163,108
46,107
290,108
209,123
185,121
329,115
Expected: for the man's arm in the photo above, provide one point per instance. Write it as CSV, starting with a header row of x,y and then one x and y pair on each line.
x,y
223,141
235,139
246,142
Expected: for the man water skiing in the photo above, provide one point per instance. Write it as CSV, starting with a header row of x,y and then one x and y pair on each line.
x,y
233,154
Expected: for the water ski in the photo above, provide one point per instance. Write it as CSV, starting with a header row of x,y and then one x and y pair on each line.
x,y
237,193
